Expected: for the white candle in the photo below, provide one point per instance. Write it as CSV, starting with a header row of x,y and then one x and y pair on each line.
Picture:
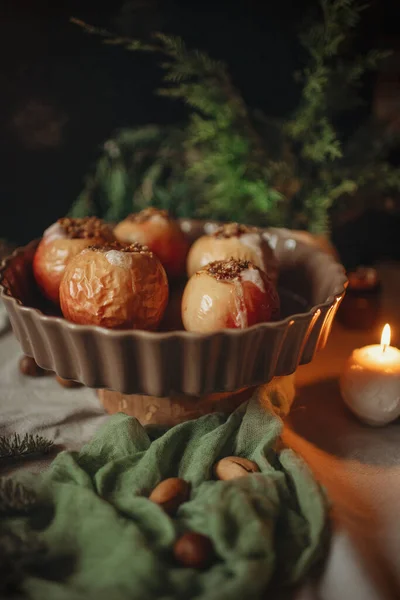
x,y
370,383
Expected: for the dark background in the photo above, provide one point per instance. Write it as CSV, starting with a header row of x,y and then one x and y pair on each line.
x,y
63,93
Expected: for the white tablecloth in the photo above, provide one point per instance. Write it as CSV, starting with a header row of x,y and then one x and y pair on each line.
x,y
359,466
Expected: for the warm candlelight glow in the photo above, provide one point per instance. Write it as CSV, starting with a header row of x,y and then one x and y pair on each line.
x,y
385,338
370,382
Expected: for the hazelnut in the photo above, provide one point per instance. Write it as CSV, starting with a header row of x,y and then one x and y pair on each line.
x,y
170,494
68,383
194,550
233,467
29,367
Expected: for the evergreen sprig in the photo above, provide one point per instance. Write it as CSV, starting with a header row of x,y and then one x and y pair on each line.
x,y
16,446
15,497
226,162
221,153
325,42
331,82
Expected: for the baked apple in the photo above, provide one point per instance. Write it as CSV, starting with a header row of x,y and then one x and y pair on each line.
x,y
60,242
158,231
118,286
228,294
233,241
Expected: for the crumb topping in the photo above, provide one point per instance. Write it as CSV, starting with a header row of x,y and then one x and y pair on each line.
x,y
86,228
227,270
148,213
232,230
134,248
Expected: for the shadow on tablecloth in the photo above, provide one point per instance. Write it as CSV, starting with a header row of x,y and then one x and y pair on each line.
x,y
320,416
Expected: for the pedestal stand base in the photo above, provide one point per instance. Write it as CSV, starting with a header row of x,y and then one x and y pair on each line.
x,y
176,409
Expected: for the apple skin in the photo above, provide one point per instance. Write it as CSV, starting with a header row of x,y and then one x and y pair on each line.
x,y
56,248
114,289
161,234
211,304
244,244
49,263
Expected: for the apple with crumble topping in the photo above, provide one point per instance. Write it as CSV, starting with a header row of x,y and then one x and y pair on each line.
x,y
228,294
233,240
61,242
161,234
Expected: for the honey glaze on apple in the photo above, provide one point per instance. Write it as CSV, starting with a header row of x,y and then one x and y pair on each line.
x,y
228,294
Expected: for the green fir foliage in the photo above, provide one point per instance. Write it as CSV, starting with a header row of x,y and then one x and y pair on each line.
x,y
227,162
16,446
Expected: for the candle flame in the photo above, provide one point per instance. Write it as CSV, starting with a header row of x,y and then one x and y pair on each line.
x,y
385,338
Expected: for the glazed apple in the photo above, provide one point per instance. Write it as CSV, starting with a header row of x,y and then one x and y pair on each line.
x,y
228,294
233,241
61,242
158,231
118,286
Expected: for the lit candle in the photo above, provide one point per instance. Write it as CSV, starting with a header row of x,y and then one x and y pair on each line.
x,y
370,383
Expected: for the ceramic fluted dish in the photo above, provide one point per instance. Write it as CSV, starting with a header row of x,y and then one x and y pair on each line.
x,y
311,286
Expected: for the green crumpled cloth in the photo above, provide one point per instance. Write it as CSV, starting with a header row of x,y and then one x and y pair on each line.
x,y
106,540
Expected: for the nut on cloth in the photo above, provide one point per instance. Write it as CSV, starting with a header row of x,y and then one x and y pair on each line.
x,y
106,539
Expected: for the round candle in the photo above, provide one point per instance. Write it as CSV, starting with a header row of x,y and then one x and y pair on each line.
x,y
370,383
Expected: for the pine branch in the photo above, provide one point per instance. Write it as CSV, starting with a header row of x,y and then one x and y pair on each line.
x,y
330,82
16,446
379,177
325,78
15,497
204,77
109,38
219,131
227,163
